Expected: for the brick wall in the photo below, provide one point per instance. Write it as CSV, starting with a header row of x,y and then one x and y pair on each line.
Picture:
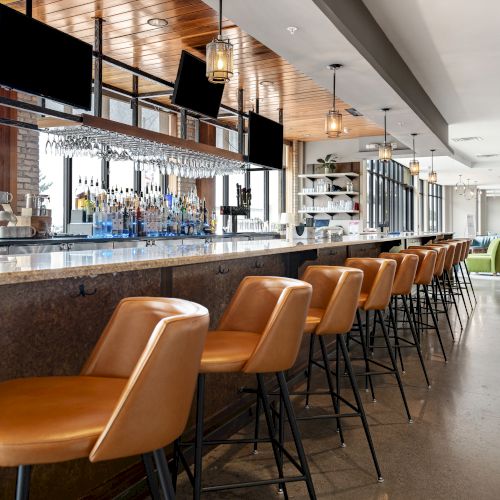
x,y
28,175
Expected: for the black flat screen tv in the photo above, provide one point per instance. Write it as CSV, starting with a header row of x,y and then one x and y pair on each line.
x,y
193,90
44,61
265,141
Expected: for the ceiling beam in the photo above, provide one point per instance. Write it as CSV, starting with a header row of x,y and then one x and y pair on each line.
x,y
356,23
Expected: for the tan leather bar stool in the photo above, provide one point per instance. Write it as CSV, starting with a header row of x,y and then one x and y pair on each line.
x,y
464,251
401,289
143,369
445,278
260,332
437,291
463,265
456,286
376,292
423,280
334,302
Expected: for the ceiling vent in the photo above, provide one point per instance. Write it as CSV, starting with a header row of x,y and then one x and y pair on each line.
x,y
354,112
488,155
467,139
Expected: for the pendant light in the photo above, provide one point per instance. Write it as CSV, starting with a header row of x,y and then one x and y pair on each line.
x,y
470,192
460,186
433,178
385,149
333,119
219,56
414,164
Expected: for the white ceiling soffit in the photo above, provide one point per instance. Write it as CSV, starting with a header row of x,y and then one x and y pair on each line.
x,y
448,170
453,49
317,43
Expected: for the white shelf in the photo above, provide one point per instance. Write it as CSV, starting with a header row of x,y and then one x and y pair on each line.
x,y
328,211
328,176
330,193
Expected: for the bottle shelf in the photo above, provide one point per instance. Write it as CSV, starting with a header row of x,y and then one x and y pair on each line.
x,y
336,175
329,193
329,212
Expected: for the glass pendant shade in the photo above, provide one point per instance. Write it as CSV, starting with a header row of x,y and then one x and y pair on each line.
x,y
219,60
414,167
460,187
385,152
433,178
333,123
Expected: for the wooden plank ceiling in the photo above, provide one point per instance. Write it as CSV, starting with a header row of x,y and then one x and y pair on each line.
x,y
191,25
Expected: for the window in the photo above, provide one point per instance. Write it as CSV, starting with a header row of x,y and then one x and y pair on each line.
x,y
435,207
121,174
389,197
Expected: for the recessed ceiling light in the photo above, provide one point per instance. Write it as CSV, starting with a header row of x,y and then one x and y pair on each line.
x,y
157,22
266,83
467,139
292,29
487,155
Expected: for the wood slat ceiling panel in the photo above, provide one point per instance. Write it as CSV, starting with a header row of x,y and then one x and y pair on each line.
x,y
192,24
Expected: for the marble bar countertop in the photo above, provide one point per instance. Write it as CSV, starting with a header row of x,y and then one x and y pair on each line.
x,y
58,265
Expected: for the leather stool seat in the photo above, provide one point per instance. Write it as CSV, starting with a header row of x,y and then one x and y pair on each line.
x,y
54,419
314,316
228,351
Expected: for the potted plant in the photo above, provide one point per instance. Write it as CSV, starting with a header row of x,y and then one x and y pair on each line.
x,y
328,163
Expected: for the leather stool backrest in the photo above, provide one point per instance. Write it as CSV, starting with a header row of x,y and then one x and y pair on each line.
x,y
426,263
405,272
450,253
155,404
378,278
442,251
277,309
336,289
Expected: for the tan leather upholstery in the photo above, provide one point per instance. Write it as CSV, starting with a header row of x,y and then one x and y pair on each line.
x,y
455,255
405,272
334,300
111,410
261,329
378,278
442,251
426,263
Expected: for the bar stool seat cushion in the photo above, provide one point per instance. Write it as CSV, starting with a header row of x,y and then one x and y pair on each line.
x,y
227,351
54,419
314,316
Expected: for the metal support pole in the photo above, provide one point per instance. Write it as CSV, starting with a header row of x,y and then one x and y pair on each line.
x,y
183,118
67,191
29,8
134,104
283,172
98,66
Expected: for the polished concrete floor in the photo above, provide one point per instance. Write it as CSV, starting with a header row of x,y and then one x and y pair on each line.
x,y
451,451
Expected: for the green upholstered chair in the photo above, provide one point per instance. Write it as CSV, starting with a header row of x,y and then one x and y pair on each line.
x,y
488,262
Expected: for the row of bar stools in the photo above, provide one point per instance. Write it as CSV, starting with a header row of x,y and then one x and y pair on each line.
x,y
463,265
260,333
462,282
132,397
336,293
406,271
437,290
376,293
423,281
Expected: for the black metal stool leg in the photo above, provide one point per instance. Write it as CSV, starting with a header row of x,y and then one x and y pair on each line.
x,y
394,365
434,321
23,482
459,288
453,298
271,429
309,367
147,460
415,339
464,281
445,308
470,281
257,426
397,347
296,434
329,379
368,378
359,403
167,487
198,445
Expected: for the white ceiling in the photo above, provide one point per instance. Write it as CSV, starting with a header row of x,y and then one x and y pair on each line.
x,y
316,44
453,49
